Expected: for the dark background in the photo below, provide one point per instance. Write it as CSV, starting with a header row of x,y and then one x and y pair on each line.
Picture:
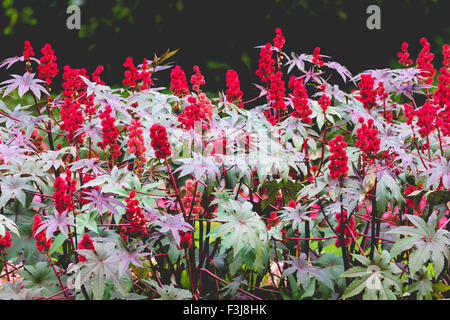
x,y
217,35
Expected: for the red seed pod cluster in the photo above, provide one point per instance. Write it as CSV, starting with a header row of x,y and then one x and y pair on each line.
x,y
446,54
134,78
233,91
178,81
424,62
96,75
324,102
299,98
338,158
72,118
408,191
27,50
270,117
276,92
403,56
206,106
278,41
367,94
266,63
191,115
135,142
160,143
185,240
197,79
86,243
42,243
197,209
134,215
442,99
273,220
64,190
38,141
73,83
48,68
109,132
349,224
5,241
367,139
317,58
426,116
408,110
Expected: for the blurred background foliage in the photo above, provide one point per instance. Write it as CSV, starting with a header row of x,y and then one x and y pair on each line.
x,y
217,35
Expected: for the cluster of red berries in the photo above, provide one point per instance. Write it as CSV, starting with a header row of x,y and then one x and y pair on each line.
x,y
73,82
42,243
276,92
135,142
192,114
367,139
5,241
338,158
86,243
96,75
426,116
190,201
72,118
403,56
109,132
160,143
408,110
178,81
273,220
299,98
266,63
278,41
38,141
324,101
197,79
48,68
349,224
134,78
317,58
424,62
134,215
410,189
64,190
442,98
233,91
272,118
28,50
185,240
367,94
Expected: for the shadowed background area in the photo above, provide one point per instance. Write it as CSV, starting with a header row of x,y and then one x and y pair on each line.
x,y
217,35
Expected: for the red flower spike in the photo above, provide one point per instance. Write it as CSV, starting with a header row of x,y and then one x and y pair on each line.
x,y
233,91
179,85
338,158
160,143
266,63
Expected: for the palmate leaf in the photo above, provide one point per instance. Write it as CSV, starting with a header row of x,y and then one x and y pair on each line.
x,y
377,279
175,224
169,292
14,187
101,200
438,169
55,222
41,277
305,271
25,83
241,228
427,242
101,264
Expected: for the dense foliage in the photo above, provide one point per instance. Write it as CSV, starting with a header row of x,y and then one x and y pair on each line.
x,y
304,192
